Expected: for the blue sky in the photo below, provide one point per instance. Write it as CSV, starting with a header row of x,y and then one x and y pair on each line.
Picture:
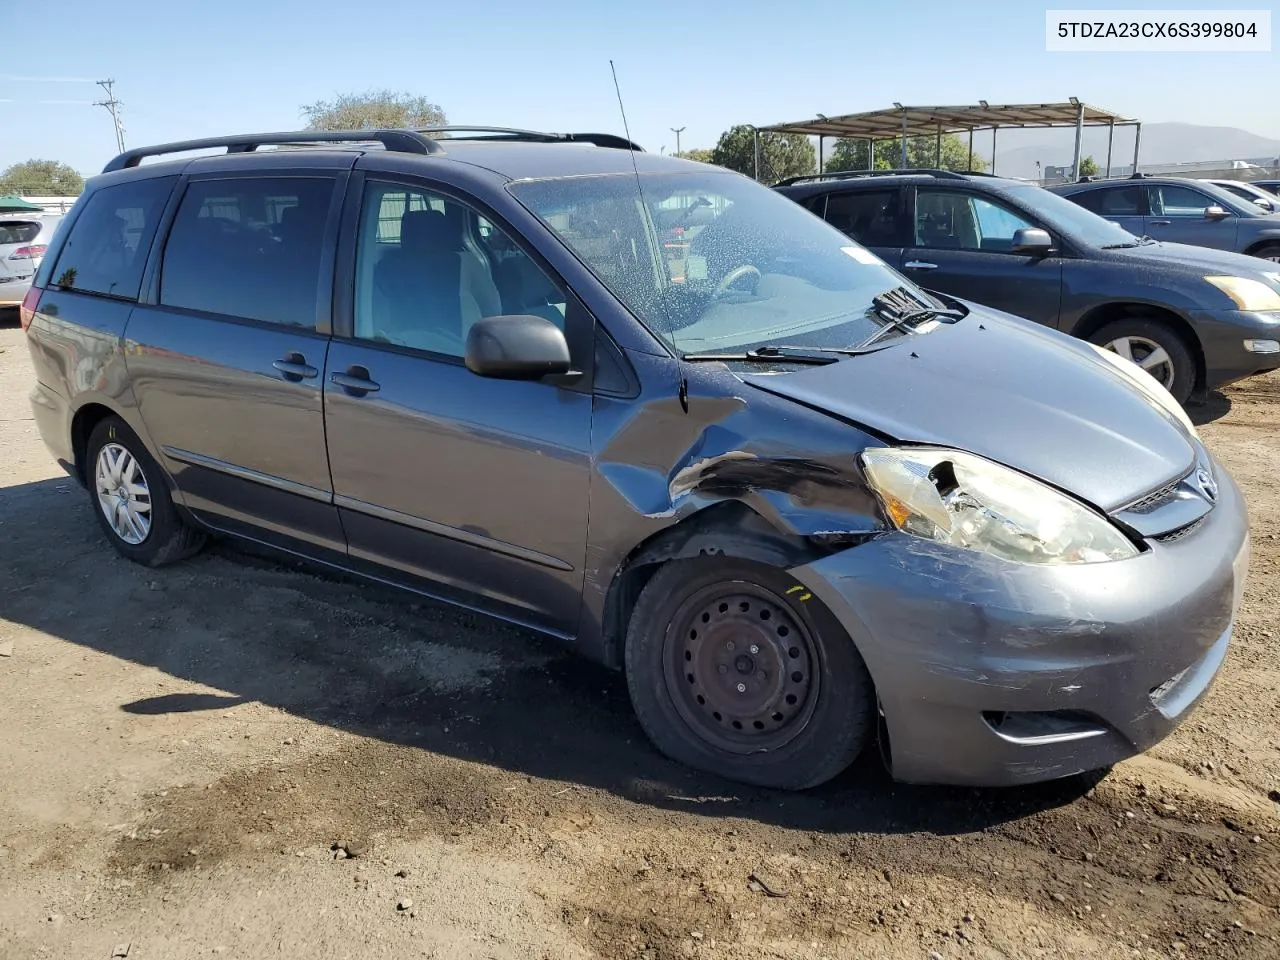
x,y
188,70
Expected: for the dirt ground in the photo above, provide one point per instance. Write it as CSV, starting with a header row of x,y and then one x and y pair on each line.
x,y
180,750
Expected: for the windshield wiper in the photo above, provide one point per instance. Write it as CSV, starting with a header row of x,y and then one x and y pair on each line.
x,y
774,353
1141,241
902,310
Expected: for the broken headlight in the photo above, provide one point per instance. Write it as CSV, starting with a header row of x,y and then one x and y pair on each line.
x,y
963,500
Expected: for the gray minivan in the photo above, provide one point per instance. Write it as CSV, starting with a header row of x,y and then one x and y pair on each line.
x,y
656,410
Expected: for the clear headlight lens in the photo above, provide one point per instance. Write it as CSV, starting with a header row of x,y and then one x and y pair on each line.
x,y
1150,386
1248,294
963,500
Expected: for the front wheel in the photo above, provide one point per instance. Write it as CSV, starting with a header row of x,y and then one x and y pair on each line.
x,y
130,498
1156,348
736,669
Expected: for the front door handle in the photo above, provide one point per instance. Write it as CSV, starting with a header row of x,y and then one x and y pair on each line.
x,y
1159,223
293,366
920,265
355,381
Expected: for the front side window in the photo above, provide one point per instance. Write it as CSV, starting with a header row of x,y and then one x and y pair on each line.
x,y
428,267
249,248
712,261
961,221
107,248
1175,201
870,217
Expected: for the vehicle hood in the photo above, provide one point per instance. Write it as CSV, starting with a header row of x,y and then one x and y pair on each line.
x,y
1009,390
1203,260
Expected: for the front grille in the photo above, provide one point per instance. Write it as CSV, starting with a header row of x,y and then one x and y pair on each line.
x,y
1157,498
1175,535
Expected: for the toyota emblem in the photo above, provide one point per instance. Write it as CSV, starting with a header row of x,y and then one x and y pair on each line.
x,y
1208,486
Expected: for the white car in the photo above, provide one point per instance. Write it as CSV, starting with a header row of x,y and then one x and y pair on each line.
x,y
1241,188
24,237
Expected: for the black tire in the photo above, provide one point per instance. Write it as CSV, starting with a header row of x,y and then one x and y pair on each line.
x,y
1268,251
169,538
1145,330
798,739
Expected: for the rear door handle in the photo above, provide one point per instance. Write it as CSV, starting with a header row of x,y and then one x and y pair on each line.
x,y
1159,223
355,381
293,366
920,265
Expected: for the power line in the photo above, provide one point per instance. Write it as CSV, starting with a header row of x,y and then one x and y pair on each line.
x,y
113,107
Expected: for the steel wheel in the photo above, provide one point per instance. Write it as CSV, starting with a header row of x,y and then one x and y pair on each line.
x,y
123,494
740,668
1147,354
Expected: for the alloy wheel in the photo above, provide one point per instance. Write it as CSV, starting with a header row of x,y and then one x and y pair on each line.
x,y
123,493
1147,354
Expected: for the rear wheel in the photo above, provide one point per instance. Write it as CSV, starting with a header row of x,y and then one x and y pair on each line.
x,y
1156,348
130,498
736,669
1268,251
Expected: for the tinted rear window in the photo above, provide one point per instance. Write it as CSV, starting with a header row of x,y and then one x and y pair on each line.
x,y
248,248
107,248
18,231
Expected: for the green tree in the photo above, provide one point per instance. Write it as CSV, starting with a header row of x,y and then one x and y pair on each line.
x,y
698,153
1089,167
921,152
384,109
782,155
41,178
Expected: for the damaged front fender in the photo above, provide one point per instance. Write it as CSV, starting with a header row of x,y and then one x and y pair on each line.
x,y
727,470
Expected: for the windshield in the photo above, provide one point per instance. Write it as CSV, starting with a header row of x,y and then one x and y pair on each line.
x,y
1070,218
715,262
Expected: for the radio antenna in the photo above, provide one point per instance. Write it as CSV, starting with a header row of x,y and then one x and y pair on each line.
x,y
644,211
625,128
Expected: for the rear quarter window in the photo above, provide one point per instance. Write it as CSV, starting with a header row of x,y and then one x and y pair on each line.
x,y
107,247
18,231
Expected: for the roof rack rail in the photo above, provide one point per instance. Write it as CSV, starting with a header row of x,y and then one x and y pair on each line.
x,y
849,174
400,141
531,136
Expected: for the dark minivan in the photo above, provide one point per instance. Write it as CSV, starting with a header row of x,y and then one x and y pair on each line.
x,y
803,503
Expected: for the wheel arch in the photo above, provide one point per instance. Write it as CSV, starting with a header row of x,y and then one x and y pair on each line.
x,y
83,422
1098,317
726,529
1258,245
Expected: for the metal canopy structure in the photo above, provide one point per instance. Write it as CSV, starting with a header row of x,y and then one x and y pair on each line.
x,y
902,122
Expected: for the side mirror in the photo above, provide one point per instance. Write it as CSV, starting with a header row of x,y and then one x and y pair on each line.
x,y
1031,240
1266,205
1215,212
517,347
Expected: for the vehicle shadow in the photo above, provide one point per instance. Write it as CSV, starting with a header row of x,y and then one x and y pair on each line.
x,y
391,666
1216,406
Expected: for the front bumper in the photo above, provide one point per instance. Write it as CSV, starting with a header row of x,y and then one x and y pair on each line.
x,y
993,673
1222,337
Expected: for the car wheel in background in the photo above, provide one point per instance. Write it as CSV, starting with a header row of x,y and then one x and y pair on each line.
x,y
1268,251
131,499
736,669
1154,346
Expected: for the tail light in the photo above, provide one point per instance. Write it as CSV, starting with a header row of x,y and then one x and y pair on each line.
x,y
27,312
29,253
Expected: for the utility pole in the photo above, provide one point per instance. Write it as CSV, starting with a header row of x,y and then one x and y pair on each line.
x,y
113,107
677,132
